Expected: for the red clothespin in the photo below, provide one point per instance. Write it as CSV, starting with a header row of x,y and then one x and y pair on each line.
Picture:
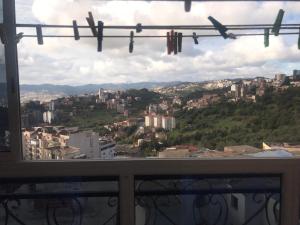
x,y
169,43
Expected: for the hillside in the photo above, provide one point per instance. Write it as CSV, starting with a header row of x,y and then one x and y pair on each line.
x,y
274,118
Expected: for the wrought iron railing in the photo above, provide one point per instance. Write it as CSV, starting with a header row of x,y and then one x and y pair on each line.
x,y
53,201
208,200
159,200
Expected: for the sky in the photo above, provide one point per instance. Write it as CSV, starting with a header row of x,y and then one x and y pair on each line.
x,y
66,61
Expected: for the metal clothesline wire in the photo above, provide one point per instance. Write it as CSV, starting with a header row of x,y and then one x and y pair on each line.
x,y
152,36
166,27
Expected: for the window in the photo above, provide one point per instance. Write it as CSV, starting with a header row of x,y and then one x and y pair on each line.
x,y
215,98
4,126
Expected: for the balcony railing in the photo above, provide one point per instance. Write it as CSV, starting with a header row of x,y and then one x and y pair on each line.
x,y
150,192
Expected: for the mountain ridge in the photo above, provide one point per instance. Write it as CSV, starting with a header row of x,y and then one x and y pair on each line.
x,y
89,88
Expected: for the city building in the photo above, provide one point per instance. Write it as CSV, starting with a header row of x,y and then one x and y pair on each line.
x,y
87,142
48,117
168,122
152,108
107,148
280,77
157,121
149,120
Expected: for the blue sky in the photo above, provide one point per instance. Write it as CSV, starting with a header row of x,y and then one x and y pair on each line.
x,y
64,61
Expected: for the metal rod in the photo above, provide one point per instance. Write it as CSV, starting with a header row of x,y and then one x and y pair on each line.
x,y
165,27
205,192
152,36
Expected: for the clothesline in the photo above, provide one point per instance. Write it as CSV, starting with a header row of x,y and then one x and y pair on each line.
x,y
174,36
167,27
154,36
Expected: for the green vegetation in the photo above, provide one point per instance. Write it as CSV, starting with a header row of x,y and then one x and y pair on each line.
x,y
88,115
275,117
146,97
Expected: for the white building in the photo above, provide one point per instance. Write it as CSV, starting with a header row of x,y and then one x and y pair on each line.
x,y
87,142
48,117
157,121
102,96
280,77
149,121
234,87
168,122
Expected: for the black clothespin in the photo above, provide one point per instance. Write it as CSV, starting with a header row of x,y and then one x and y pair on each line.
x,y
139,28
76,31
172,41
179,39
187,5
195,38
267,37
220,27
232,36
169,43
100,35
278,22
131,42
91,23
39,34
175,43
3,34
19,36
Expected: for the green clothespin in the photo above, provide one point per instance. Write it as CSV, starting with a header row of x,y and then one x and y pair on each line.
x,y
278,22
131,42
267,37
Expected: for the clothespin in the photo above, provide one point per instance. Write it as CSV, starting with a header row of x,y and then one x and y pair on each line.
x,y
179,39
195,38
220,27
131,42
76,31
278,22
267,37
172,41
91,23
187,5
39,34
175,43
139,28
100,35
169,43
299,40
3,34
19,36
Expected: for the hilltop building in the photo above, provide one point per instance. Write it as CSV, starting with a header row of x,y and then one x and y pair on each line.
x,y
168,122
48,117
158,121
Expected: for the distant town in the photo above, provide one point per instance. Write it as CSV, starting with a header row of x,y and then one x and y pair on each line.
x,y
162,122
